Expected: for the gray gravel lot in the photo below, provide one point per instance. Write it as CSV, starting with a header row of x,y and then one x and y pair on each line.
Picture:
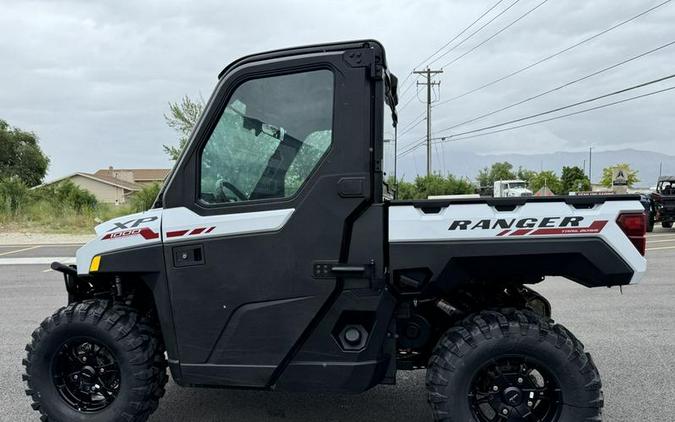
x,y
631,337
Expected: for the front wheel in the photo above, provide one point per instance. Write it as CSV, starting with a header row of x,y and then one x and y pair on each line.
x,y
95,362
512,366
667,224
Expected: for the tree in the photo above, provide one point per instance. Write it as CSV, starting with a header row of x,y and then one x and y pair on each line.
x,y
182,117
608,175
21,156
525,174
498,171
435,184
144,199
574,180
546,178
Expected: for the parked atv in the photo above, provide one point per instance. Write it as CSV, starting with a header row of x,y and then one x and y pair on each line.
x,y
272,260
663,203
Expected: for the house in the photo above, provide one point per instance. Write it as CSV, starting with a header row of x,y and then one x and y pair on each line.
x,y
114,186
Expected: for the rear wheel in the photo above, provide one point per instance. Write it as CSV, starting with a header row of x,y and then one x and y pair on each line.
x,y
94,362
512,366
667,224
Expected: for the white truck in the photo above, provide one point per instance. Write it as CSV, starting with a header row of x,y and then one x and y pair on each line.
x,y
272,260
511,188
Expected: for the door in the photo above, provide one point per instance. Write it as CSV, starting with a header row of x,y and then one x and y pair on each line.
x,y
276,172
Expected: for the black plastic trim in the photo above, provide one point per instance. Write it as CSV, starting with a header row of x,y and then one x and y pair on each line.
x,y
507,203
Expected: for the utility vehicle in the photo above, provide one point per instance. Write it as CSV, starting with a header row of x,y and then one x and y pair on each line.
x,y
663,203
271,260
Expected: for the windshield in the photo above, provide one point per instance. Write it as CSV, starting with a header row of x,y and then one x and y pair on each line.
x,y
517,185
667,188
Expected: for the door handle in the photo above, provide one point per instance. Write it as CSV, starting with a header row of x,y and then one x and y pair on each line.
x,y
186,256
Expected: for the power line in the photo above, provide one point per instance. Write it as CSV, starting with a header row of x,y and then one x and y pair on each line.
x,y
555,110
574,113
414,119
474,32
547,58
559,87
406,104
461,33
403,132
406,89
523,16
462,134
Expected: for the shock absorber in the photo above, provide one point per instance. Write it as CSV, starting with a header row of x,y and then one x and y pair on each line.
x,y
118,286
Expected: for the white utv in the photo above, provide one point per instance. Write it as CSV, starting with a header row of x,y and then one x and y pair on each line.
x,y
273,261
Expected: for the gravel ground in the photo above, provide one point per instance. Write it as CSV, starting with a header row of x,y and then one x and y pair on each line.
x,y
631,337
15,238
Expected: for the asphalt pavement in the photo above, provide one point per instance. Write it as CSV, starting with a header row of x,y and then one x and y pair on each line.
x,y
631,335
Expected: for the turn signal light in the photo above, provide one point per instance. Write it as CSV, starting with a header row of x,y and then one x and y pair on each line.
x,y
634,225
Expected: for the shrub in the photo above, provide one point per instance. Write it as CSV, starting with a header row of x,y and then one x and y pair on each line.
x,y
144,199
13,194
67,194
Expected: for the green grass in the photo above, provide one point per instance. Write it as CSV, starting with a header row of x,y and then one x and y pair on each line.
x,y
45,217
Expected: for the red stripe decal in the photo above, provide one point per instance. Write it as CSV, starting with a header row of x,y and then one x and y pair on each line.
x,y
148,234
595,227
210,230
197,231
503,232
176,233
520,232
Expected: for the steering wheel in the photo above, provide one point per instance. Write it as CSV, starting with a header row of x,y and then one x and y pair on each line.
x,y
223,185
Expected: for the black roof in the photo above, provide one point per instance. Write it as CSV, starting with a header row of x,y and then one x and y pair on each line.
x,y
309,49
391,81
667,179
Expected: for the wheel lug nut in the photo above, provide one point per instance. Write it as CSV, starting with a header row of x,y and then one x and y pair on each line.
x,y
75,376
495,388
505,411
529,404
520,380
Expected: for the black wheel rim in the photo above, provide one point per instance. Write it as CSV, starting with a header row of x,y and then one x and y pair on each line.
x,y
86,375
515,389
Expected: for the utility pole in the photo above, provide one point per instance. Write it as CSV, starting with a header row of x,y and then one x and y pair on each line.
x,y
395,158
428,74
590,166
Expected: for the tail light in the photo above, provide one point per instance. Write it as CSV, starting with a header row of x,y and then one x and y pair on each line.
x,y
634,225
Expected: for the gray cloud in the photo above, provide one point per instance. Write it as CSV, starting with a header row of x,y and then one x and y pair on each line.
x,y
93,78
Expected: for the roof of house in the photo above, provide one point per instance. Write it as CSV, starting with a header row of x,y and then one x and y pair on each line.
x,y
142,175
544,191
103,179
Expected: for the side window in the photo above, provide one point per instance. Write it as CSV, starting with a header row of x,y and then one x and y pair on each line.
x,y
271,136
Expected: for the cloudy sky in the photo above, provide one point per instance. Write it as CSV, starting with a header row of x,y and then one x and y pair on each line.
x,y
93,79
